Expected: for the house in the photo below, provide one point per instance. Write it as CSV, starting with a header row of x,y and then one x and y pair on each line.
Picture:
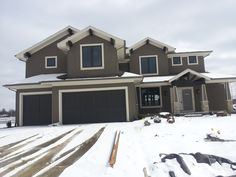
x,y
87,76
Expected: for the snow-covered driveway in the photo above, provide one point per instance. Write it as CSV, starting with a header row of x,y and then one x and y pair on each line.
x,y
84,150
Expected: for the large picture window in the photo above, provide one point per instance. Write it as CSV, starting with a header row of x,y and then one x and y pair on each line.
x,y
92,56
150,97
148,64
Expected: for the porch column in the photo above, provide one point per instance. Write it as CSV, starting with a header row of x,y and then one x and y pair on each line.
x,y
176,107
229,102
204,100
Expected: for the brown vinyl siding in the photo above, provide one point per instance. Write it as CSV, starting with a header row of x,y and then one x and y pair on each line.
x,y
149,49
110,59
35,65
200,67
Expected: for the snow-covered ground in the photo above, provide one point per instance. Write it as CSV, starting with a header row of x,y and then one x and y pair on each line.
x,y
140,146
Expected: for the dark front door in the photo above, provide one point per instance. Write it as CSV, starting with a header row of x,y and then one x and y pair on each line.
x,y
187,99
37,109
94,107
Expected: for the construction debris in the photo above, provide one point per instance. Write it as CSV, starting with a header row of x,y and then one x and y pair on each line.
x,y
147,123
145,172
112,160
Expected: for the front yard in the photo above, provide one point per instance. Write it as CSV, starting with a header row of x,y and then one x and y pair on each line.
x,y
84,150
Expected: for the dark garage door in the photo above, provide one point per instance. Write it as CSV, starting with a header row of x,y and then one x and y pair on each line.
x,y
37,109
94,106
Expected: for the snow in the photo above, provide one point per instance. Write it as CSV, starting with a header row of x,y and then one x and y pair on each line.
x,y
140,146
157,79
219,76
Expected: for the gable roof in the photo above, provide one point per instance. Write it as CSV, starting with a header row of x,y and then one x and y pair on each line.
x,y
189,71
65,31
87,31
152,42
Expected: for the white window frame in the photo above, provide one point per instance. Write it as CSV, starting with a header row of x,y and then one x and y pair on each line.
x,y
140,64
193,63
81,56
46,58
172,61
140,97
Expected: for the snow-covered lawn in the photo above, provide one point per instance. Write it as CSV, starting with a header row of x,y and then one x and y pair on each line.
x,y
38,150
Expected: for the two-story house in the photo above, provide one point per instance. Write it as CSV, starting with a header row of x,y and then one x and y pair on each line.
x,y
87,76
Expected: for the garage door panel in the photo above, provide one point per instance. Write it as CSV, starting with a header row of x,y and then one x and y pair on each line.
x,y
37,109
94,106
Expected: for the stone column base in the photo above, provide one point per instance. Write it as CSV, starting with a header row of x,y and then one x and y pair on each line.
x,y
205,106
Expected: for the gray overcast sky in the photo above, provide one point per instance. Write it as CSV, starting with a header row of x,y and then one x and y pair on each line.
x,y
184,24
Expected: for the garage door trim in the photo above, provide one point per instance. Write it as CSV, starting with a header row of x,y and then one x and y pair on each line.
x,y
91,90
21,97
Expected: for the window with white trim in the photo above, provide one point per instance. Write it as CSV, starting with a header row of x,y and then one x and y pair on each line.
x,y
176,61
91,56
51,62
192,60
151,97
148,64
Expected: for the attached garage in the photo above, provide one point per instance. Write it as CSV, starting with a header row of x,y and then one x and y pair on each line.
x,y
93,106
37,109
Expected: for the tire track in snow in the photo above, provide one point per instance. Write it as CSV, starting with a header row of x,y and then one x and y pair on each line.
x,y
32,150
70,157
45,160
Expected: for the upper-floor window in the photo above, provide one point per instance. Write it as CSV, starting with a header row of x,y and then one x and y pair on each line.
x,y
148,64
51,62
91,56
176,61
192,60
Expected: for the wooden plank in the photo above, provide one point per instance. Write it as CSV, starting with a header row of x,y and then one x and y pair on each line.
x,y
112,160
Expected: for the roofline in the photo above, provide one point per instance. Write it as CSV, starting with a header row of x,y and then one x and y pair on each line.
x,y
191,71
151,41
52,38
185,54
85,32
92,81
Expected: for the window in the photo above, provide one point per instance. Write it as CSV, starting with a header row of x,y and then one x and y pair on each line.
x,y
192,60
148,64
91,56
150,97
51,62
176,61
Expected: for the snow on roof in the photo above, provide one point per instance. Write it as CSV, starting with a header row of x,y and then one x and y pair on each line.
x,y
157,79
55,77
39,78
195,53
214,76
45,42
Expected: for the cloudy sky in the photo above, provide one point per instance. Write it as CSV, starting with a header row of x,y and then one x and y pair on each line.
x,y
184,24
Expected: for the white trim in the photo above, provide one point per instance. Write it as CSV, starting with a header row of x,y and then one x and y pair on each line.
x,y
140,98
186,71
172,61
140,64
49,67
196,60
81,56
186,54
152,42
21,96
90,90
58,35
193,98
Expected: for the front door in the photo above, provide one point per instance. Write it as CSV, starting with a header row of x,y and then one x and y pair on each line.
x,y
186,98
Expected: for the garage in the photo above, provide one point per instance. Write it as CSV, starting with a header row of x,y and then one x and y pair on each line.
x,y
93,106
37,109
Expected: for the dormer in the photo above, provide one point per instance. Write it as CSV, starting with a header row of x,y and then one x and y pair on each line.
x,y
149,57
92,53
